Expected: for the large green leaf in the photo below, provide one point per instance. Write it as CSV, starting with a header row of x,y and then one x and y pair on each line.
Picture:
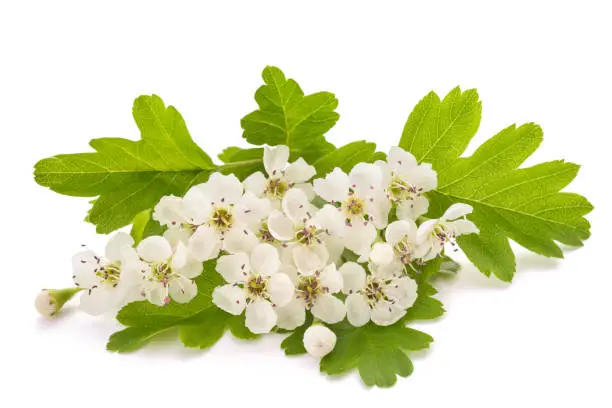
x,y
347,156
287,116
130,176
522,204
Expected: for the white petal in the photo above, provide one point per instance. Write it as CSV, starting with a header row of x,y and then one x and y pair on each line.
x,y
260,316
398,230
307,188
238,240
330,219
223,189
180,255
335,248
291,315
385,313
365,177
377,206
359,237
182,290
309,259
334,187
412,209
331,278
461,227
98,301
156,293
329,309
234,268
456,210
255,183
176,235
385,171
299,171
425,231
357,310
84,267
197,207
281,289
229,298
404,290
353,277
382,253
423,177
169,211
290,271
154,249
251,210
392,269
275,159
204,244
265,259
400,160
296,205
119,246
319,340
280,226
191,269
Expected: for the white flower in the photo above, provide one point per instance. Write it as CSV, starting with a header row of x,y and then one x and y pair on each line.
x,y
319,340
108,282
282,175
167,271
433,235
400,246
45,305
362,204
304,230
405,181
254,283
382,297
315,293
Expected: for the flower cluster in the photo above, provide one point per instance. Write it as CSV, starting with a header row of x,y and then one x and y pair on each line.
x,y
340,246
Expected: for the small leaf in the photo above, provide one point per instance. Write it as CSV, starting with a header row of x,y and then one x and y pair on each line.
x,y
346,157
144,226
294,343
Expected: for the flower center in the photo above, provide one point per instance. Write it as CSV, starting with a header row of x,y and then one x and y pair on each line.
x,y
404,251
309,288
256,287
374,291
354,207
443,235
276,188
222,219
109,274
160,272
400,190
264,234
308,235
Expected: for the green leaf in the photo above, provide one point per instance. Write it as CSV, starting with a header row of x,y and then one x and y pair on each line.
x,y
522,204
425,307
346,157
242,162
144,226
287,116
130,176
294,343
200,323
379,353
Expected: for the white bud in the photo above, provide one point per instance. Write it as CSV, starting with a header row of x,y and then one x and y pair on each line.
x,y
45,304
319,340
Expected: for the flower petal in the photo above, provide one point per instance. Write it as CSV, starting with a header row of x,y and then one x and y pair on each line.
x,y
386,313
377,206
260,316
191,269
425,231
457,210
238,240
280,226
401,161
357,309
299,171
181,289
223,189
281,289
461,227
296,206
255,183
197,206
329,309
331,278
119,246
291,315
204,244
156,293
423,177
309,259
412,209
265,259
234,268
251,210
353,277
84,267
229,298
176,235
307,188
398,230
403,290
359,237
98,301
334,187
169,211
154,249
365,177
275,159
330,219
382,253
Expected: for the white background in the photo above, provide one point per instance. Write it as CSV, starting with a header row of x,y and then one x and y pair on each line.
x,y
70,70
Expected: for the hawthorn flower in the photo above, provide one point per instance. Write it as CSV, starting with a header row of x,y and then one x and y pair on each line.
x,y
400,246
254,284
282,175
361,203
304,230
50,301
167,271
433,235
108,282
405,181
383,296
319,340
315,293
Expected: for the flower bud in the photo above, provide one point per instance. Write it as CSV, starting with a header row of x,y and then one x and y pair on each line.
x,y
50,301
319,340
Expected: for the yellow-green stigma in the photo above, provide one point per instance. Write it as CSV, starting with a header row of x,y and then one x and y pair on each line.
x,y
222,219
307,235
276,188
264,234
309,288
399,190
110,273
354,207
